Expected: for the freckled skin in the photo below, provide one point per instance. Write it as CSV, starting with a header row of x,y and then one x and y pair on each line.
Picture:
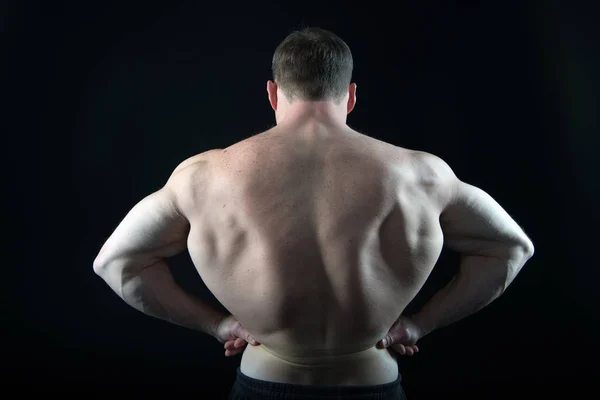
x,y
315,240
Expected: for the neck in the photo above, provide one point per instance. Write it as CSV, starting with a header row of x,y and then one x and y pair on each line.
x,y
323,112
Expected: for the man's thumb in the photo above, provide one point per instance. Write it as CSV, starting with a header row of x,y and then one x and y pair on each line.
x,y
386,341
241,332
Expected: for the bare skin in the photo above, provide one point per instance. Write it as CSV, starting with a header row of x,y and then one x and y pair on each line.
x,y
319,271
315,238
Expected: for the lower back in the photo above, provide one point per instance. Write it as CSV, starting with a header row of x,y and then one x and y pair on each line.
x,y
371,366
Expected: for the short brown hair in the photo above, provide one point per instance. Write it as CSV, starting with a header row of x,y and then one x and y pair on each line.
x,y
313,64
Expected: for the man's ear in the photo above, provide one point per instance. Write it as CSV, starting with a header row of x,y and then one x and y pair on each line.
x,y
351,97
272,92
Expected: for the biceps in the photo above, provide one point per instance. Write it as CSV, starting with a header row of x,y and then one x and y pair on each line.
x,y
151,231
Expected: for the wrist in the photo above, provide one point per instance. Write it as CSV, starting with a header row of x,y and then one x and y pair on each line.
x,y
421,324
215,323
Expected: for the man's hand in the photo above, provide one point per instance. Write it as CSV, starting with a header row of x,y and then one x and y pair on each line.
x,y
234,335
402,337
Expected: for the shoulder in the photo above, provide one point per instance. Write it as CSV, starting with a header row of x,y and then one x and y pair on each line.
x,y
197,161
435,176
190,171
430,166
191,175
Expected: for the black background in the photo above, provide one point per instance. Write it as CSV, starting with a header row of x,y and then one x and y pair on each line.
x,y
103,100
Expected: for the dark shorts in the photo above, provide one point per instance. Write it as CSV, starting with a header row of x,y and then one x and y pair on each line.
x,y
246,388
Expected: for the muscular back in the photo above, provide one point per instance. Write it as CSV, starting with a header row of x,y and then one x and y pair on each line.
x,y
307,236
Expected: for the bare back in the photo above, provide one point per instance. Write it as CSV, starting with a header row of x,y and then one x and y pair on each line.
x,y
315,242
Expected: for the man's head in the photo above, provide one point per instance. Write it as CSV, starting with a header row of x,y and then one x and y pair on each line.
x,y
312,68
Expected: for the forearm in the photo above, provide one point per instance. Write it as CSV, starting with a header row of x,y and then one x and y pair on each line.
x,y
479,281
154,292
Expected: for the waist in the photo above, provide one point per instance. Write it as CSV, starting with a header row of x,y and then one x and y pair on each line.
x,y
371,366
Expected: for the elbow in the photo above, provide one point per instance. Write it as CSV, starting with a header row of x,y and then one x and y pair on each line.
x,y
99,267
531,252
515,253
105,263
111,274
102,266
522,250
519,255
528,249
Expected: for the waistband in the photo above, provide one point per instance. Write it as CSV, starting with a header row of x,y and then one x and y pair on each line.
x,y
288,388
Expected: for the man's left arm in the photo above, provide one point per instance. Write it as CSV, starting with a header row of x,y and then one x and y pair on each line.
x,y
132,261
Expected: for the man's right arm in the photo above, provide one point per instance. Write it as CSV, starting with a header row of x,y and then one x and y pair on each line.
x,y
492,246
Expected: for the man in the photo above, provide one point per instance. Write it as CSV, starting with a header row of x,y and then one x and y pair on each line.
x,y
315,238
